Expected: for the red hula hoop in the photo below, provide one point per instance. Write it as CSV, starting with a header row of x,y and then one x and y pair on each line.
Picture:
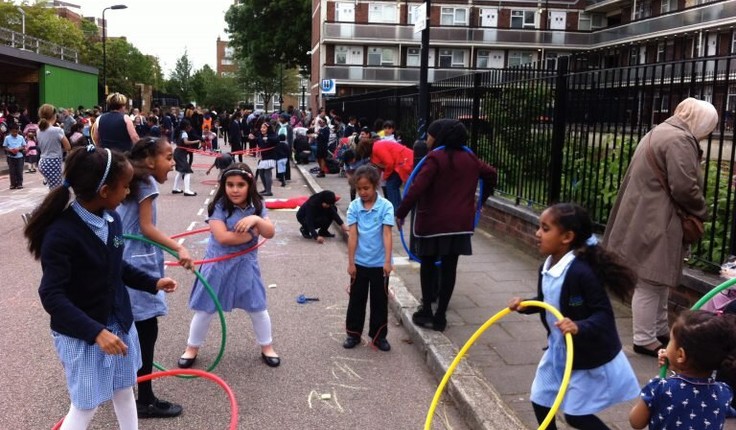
x,y
222,257
210,182
194,372
191,232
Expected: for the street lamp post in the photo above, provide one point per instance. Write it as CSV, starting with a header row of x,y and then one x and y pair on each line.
x,y
104,45
23,24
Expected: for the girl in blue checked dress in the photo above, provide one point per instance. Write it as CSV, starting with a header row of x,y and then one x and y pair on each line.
x,y
83,284
152,160
237,217
574,279
700,343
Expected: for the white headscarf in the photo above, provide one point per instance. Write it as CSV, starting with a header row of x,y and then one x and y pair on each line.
x,y
700,116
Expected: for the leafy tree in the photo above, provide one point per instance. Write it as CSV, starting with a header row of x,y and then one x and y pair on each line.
x,y
180,82
202,81
44,24
265,31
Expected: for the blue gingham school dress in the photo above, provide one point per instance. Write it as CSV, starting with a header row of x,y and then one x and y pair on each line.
x,y
590,390
92,375
236,281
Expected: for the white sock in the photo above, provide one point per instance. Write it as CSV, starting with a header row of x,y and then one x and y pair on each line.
x,y
187,182
262,327
78,419
123,401
198,328
176,181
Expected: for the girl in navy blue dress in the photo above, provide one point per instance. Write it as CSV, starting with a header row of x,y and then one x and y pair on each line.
x,y
83,284
574,279
700,343
152,160
237,217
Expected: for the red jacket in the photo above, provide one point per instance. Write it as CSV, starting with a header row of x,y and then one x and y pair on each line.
x,y
393,157
444,193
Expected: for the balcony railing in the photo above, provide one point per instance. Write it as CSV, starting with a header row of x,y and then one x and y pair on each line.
x,y
386,75
23,41
701,17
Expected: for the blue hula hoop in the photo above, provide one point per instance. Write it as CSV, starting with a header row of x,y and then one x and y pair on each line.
x,y
476,220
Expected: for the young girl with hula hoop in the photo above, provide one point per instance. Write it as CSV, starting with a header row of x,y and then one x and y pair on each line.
x,y
237,217
573,279
81,250
152,160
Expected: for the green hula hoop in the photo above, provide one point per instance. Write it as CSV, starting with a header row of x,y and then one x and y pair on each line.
x,y
209,291
703,300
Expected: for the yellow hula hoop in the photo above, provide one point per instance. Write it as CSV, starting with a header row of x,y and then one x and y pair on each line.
x,y
476,335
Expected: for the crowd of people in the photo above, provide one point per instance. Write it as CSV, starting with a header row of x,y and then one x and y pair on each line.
x,y
115,167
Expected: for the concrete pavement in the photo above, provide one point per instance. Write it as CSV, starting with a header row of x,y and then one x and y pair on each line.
x,y
491,387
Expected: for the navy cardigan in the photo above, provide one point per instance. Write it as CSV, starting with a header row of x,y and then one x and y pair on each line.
x,y
584,300
83,282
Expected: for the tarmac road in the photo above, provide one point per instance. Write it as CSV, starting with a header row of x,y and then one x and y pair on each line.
x,y
319,385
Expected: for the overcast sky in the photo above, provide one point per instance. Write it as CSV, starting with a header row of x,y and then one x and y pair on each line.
x,y
165,28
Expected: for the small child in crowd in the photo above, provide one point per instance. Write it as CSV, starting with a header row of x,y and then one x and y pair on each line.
x,y
237,218
370,218
15,146
573,279
222,162
700,343
31,152
91,318
283,152
152,160
208,137
316,215
184,145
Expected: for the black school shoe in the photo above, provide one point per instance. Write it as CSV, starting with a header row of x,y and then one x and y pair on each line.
x,y
423,317
351,342
383,345
158,409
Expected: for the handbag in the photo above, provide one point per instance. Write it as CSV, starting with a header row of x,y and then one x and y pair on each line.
x,y
692,226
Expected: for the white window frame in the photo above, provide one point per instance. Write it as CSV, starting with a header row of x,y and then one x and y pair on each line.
x,y
387,55
524,15
587,21
226,61
733,42
668,6
337,12
416,55
449,16
643,10
377,13
458,57
341,52
550,59
518,58
228,52
731,98
411,13
483,54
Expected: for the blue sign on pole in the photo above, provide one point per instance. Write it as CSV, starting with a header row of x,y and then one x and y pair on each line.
x,y
328,87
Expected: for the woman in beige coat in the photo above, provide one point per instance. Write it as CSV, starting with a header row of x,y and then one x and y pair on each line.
x,y
644,226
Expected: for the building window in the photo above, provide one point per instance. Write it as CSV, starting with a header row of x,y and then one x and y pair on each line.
x,y
453,16
731,100
345,12
229,52
226,62
591,21
413,57
550,60
523,19
661,52
518,58
381,56
411,17
484,60
733,42
452,58
668,6
634,56
341,55
379,12
643,10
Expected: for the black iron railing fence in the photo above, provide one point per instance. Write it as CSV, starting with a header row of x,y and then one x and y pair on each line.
x,y
568,135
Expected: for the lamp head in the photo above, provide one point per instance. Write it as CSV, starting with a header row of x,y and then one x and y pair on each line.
x,y
118,6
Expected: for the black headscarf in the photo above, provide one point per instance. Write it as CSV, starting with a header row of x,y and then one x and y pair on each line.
x,y
448,132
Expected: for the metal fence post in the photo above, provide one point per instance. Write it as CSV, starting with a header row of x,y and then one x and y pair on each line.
x,y
558,132
476,113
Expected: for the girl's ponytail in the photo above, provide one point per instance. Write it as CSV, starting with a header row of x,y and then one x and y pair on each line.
x,y
610,269
45,214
